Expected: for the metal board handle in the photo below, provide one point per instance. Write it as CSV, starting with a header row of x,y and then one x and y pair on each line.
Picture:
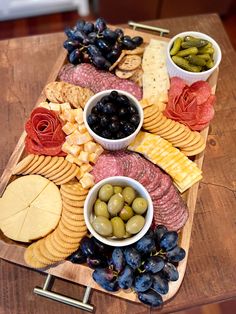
x,y
45,292
162,31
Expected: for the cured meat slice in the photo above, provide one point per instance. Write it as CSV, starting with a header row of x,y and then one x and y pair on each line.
x,y
86,75
44,133
190,105
169,207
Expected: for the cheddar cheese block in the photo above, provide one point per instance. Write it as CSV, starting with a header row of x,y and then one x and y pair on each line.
x,y
30,208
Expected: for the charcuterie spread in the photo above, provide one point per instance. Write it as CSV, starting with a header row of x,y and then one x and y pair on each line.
x,y
114,111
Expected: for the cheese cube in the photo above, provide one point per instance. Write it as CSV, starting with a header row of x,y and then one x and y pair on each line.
x,y
69,116
82,128
78,162
99,150
65,106
55,107
93,157
78,114
83,138
74,150
84,169
73,137
84,157
69,128
45,104
70,158
87,181
90,147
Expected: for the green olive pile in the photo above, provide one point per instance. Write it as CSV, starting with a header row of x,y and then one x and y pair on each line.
x,y
192,54
118,211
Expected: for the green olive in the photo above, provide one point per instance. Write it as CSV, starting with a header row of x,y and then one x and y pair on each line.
x,y
105,192
102,226
118,227
126,213
115,204
100,209
135,224
140,205
127,235
117,189
128,194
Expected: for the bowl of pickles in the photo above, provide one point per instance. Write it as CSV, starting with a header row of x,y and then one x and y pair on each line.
x,y
118,211
193,56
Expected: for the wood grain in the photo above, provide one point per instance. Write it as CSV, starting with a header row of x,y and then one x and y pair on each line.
x,y
210,273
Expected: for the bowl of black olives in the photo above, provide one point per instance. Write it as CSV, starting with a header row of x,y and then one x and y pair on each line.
x,y
113,118
118,211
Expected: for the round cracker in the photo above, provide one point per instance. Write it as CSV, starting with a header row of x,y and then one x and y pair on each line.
x,y
117,61
149,110
124,74
61,173
182,137
72,96
71,222
68,239
155,115
46,160
68,178
165,125
50,91
73,202
72,227
73,209
61,166
74,187
39,256
187,141
23,164
73,196
38,162
30,258
60,248
51,164
72,216
194,152
68,173
129,62
154,122
177,134
157,123
70,233
175,126
197,138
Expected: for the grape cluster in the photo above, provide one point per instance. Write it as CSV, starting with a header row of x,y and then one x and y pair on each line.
x,y
96,43
146,266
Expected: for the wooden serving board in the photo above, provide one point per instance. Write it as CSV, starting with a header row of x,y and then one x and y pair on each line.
x,y
13,251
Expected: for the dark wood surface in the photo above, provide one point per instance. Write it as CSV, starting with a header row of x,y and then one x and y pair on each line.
x,y
210,276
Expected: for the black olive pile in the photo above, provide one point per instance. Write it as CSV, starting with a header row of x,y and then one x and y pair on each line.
x,y
114,117
96,43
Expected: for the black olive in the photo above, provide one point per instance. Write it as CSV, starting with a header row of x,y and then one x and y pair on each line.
x,y
105,99
123,112
95,110
97,129
120,134
113,94
123,100
137,40
104,121
99,106
114,126
106,134
109,108
92,119
114,118
132,109
129,128
135,119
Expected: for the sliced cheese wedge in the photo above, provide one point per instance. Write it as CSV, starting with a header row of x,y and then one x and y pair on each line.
x,y
30,208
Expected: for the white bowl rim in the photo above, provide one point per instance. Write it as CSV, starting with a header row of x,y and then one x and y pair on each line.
x,y
105,92
197,34
135,237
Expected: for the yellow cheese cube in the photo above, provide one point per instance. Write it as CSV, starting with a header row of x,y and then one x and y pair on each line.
x,y
78,114
65,106
69,116
69,128
70,158
90,147
87,181
72,138
93,157
84,168
83,138
99,150
55,107
84,157
45,104
77,161
74,150
82,128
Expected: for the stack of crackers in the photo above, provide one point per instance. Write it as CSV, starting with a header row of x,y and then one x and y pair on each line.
x,y
129,65
189,142
61,92
65,239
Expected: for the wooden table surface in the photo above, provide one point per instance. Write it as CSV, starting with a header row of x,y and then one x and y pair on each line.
x,y
25,64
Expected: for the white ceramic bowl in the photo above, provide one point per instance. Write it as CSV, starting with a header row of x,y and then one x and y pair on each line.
x,y
191,77
92,196
108,143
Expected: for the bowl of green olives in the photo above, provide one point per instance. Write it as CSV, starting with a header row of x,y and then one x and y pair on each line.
x,y
118,211
113,118
193,56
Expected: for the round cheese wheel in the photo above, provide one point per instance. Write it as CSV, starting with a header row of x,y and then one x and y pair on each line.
x,y
30,208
